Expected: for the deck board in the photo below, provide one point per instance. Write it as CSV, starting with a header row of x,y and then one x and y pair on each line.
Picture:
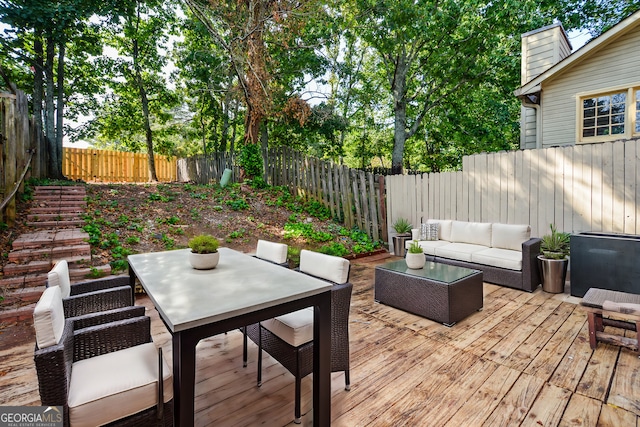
x,y
522,360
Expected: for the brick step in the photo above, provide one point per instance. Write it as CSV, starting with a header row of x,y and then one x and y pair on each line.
x,y
59,188
60,198
58,252
70,191
12,315
57,224
77,273
50,238
61,216
23,296
57,209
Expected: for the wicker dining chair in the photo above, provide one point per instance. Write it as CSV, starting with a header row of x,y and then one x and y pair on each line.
x,y
100,374
289,338
92,295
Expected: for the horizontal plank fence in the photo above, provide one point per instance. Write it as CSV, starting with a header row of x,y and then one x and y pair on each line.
x,y
114,166
593,187
352,196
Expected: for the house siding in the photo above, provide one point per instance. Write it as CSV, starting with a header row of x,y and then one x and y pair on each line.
x,y
541,50
528,127
614,65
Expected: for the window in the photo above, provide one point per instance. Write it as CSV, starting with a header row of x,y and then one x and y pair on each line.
x,y
610,116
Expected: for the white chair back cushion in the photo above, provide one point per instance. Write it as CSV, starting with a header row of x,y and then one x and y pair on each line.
x,y
476,233
48,318
510,236
115,385
323,266
59,276
272,251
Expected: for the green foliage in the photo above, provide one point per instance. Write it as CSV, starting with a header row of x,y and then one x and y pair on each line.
x,y
94,273
132,240
402,226
237,204
237,233
156,197
335,249
250,160
3,226
555,245
294,230
415,248
204,244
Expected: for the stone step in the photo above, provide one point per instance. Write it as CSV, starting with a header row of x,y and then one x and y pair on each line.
x,y
60,216
41,266
57,224
22,296
50,238
77,273
54,253
57,209
12,315
60,203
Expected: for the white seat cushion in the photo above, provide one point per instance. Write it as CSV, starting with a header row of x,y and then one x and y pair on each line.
x,y
510,236
476,233
272,251
459,251
429,246
48,318
444,228
106,388
496,257
295,328
328,267
59,276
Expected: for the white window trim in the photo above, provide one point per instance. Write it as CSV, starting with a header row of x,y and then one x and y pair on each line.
x,y
630,114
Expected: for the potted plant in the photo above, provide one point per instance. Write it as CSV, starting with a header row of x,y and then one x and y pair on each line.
x,y
415,257
402,227
554,248
204,252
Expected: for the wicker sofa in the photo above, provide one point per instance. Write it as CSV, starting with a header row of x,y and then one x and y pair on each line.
x,y
505,253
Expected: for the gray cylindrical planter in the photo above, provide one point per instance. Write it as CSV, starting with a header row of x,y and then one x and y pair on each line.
x,y
554,274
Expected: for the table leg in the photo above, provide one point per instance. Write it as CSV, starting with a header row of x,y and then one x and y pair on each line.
x,y
322,361
184,374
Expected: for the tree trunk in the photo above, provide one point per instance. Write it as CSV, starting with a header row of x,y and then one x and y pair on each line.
x,y
38,77
49,129
145,113
398,90
60,108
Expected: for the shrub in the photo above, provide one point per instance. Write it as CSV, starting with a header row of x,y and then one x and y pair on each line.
x,y
204,244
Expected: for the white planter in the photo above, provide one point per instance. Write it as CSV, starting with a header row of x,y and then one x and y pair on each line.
x,y
415,261
204,261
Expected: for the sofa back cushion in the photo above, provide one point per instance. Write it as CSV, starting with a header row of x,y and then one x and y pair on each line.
x,y
510,236
476,233
48,318
444,228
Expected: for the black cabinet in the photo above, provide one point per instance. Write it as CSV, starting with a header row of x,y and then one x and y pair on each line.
x,y
606,261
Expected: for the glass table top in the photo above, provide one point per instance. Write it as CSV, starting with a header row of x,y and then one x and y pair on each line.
x,y
432,270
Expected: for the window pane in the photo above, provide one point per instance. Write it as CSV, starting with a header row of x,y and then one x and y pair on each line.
x,y
618,108
618,118
603,101
589,112
603,131
589,132
589,123
638,95
603,121
619,98
617,130
603,110
589,103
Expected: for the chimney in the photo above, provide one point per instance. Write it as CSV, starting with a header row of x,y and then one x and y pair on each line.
x,y
542,49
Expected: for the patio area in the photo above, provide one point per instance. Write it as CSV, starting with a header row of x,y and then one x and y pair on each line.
x,y
523,360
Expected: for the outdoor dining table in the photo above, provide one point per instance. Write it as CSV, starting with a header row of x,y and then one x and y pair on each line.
x,y
239,291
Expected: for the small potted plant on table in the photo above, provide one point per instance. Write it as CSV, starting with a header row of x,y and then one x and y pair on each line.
x,y
415,256
204,252
553,259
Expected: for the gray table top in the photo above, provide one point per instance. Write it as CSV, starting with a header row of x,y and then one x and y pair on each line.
x,y
240,284
435,271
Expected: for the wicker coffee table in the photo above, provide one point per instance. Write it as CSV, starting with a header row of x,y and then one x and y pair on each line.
x,y
440,292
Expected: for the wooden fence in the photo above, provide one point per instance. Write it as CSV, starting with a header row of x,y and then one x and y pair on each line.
x,y
355,197
22,151
114,166
593,187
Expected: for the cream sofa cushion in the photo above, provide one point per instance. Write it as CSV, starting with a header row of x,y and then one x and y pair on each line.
x,y
496,257
475,233
295,328
444,228
106,388
272,251
59,276
459,251
48,318
328,267
510,236
429,246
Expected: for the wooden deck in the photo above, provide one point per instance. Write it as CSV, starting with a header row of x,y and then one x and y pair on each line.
x,y
523,360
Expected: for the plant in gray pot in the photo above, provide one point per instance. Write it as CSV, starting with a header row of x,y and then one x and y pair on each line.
x,y
402,227
555,248
204,252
